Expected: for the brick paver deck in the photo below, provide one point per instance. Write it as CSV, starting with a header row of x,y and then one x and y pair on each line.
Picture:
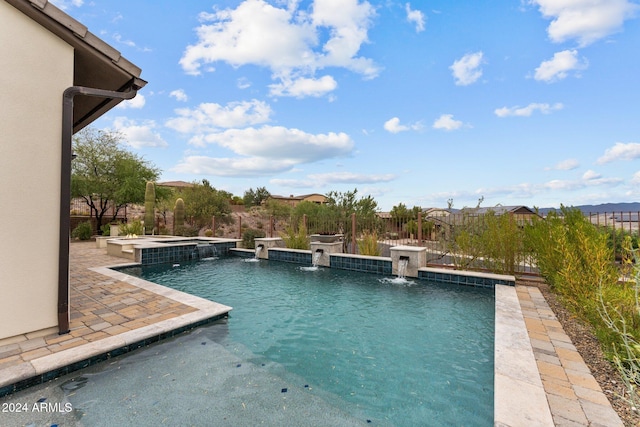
x,y
104,309
105,314
575,397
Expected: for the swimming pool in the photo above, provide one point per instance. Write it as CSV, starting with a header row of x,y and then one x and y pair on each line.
x,y
413,353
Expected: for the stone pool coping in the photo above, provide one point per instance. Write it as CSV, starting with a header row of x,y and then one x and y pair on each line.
x,y
517,383
532,386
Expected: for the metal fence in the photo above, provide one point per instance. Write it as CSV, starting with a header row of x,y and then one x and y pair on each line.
x,y
488,242
452,240
79,207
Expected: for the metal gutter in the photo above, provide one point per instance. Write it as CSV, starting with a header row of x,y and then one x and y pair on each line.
x,y
65,184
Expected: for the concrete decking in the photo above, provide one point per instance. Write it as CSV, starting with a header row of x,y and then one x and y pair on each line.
x,y
110,310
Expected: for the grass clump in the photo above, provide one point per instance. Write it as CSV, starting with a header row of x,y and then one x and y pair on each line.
x,y
296,239
368,244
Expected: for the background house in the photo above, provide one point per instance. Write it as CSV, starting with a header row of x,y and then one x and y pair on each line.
x,y
293,201
44,52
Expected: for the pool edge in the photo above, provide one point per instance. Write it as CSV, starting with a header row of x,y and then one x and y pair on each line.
x,y
43,369
519,396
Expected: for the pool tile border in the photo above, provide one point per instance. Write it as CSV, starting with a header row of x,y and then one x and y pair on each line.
x,y
361,263
467,278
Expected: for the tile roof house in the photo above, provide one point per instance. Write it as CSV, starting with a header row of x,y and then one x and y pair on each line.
x,y
295,200
56,77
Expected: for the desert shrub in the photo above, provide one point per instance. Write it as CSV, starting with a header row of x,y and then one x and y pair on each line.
x,y
105,229
133,227
368,244
208,232
296,239
620,312
187,230
83,231
249,236
574,257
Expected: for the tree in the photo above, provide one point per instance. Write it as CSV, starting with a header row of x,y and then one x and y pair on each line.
x,y
104,174
255,198
202,202
343,205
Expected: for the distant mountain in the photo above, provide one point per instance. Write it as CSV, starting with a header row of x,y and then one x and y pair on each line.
x,y
605,207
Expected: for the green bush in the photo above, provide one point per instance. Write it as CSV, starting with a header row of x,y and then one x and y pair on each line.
x,y
249,236
133,227
577,260
368,245
83,231
574,257
296,239
106,229
620,311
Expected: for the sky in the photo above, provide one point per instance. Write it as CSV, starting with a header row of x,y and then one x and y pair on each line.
x,y
426,103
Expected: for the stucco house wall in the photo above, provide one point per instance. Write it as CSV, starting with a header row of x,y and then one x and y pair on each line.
x,y
33,77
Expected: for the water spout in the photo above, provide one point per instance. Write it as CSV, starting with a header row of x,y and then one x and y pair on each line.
x,y
403,262
259,249
316,257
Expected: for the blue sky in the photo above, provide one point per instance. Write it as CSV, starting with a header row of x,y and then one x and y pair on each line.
x,y
531,102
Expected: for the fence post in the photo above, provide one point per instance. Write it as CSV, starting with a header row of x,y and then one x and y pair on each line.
x,y
271,226
420,227
353,233
304,222
239,227
213,225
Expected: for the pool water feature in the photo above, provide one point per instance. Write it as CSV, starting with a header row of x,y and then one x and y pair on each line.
x,y
411,353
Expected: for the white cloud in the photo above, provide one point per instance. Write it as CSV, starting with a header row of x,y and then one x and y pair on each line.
x,y
179,95
243,83
446,122
591,175
290,42
621,151
266,150
210,117
528,110
66,4
235,167
294,183
137,102
277,142
416,17
466,70
393,125
559,66
138,135
565,165
323,179
302,87
350,178
584,20
636,178
118,38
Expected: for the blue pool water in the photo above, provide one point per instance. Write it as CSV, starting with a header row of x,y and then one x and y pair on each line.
x,y
404,354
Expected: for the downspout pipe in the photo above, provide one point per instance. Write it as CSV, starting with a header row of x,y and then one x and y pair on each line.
x,y
65,187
